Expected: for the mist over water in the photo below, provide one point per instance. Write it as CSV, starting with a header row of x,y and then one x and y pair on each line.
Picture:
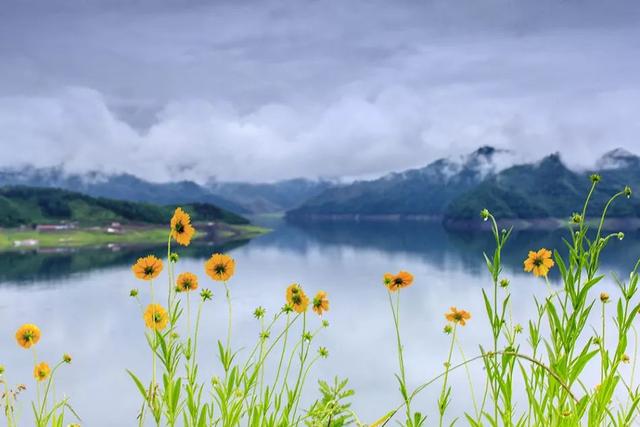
x,y
80,300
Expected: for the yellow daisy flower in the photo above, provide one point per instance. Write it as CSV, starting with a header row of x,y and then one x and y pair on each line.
x,y
187,282
181,229
539,262
28,335
220,267
320,303
156,317
296,298
42,371
457,316
401,280
147,268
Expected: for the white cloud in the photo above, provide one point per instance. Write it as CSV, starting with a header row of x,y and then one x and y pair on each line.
x,y
281,90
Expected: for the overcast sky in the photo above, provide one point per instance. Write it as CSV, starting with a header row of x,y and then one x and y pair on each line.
x,y
267,90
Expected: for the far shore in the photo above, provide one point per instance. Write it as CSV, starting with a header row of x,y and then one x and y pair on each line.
x,y
16,239
475,224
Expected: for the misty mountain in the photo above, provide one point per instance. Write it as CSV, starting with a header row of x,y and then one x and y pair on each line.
x,y
116,186
242,198
456,190
270,197
423,191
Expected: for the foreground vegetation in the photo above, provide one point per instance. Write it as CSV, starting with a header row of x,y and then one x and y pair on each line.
x,y
534,374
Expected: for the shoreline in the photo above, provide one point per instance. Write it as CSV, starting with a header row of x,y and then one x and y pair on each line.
x,y
476,224
16,239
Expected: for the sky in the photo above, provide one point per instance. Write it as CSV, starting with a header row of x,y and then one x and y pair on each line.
x,y
261,91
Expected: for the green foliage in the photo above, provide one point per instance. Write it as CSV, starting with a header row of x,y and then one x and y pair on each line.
x,y
30,206
332,409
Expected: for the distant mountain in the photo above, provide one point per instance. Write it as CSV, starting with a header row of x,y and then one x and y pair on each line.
x,y
119,186
455,190
424,191
549,189
272,197
31,206
239,197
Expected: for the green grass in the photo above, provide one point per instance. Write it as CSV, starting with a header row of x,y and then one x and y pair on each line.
x,y
88,237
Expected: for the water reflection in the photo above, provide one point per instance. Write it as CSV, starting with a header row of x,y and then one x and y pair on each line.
x,y
428,240
33,266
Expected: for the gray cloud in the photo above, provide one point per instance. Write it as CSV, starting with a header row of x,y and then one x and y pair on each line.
x,y
270,90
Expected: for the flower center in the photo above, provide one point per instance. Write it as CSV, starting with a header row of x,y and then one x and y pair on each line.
x,y
179,227
537,261
220,269
148,270
297,299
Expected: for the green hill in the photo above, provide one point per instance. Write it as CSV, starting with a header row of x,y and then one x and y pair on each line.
x,y
545,190
27,206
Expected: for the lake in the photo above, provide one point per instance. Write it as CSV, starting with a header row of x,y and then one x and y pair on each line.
x,y
80,300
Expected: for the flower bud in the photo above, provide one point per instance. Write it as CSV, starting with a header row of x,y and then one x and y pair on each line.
x,y
206,294
323,352
259,312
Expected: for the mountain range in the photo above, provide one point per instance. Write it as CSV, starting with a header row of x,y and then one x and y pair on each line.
x,y
238,197
451,189
456,189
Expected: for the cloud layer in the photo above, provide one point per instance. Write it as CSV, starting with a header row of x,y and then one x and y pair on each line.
x,y
244,91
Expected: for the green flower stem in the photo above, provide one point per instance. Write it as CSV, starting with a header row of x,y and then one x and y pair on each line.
x,y
46,392
396,320
228,296
442,401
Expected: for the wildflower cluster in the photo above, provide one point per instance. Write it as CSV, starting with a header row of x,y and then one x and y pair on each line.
x,y
240,395
46,410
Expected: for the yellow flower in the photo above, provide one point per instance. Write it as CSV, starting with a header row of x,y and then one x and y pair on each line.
x,y
457,316
156,317
539,262
187,282
147,268
320,303
181,229
28,335
401,280
296,298
41,371
220,267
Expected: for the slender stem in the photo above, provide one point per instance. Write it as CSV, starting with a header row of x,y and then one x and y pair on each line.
x,y
635,354
602,344
228,295
46,391
188,313
396,320
169,271
442,402
284,348
469,379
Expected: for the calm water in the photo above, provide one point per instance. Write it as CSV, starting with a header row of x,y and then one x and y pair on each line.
x,y
80,300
